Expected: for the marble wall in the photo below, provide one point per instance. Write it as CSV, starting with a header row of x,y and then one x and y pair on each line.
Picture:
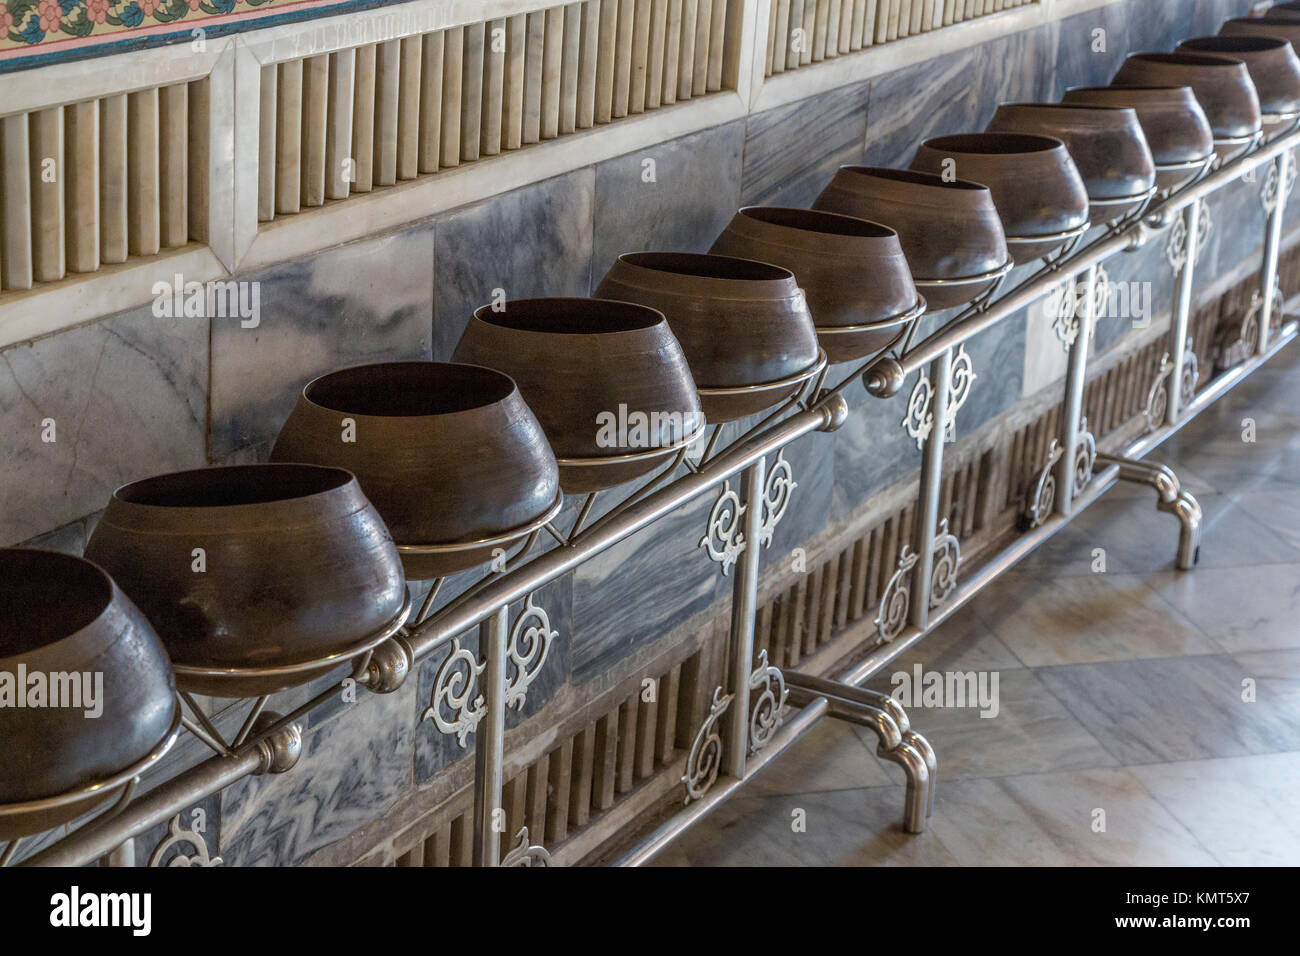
x,y
134,394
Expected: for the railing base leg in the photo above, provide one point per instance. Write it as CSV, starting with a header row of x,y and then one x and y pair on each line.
x,y
1172,498
898,742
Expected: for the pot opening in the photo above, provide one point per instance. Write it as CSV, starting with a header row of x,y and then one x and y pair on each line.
x,y
1234,44
912,176
571,316
809,220
994,143
46,596
1186,59
403,389
707,266
233,485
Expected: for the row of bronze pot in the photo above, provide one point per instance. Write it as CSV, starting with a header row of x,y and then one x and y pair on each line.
x,y
243,581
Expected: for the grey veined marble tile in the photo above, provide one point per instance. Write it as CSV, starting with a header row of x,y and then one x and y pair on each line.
x,y
1185,708
673,197
1261,828
1081,619
1031,732
836,828
366,301
1101,817
121,399
350,772
532,241
791,152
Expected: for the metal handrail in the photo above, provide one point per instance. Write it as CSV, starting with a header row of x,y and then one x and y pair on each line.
x,y
486,605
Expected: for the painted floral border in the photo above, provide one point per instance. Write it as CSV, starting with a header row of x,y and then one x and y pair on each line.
x,y
29,23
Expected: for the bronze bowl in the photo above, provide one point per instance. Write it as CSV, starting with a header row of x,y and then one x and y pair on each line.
x,y
64,615
744,325
296,572
1106,143
1285,25
450,456
1036,186
1221,84
608,381
1177,131
852,271
1289,10
1274,68
950,231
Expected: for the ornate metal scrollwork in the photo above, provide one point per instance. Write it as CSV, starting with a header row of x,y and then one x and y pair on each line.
x,y
456,690
896,600
767,695
725,540
1269,193
1157,405
947,561
525,853
1191,372
1237,343
705,758
1158,395
777,490
1085,457
919,420
177,836
1176,245
1064,305
530,641
1043,499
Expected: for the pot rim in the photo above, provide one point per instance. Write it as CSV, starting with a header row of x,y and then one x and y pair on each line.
x,y
637,318
110,594
1113,116
876,231
660,261
220,519
642,271
1208,60
1045,145
914,177
1263,43
504,383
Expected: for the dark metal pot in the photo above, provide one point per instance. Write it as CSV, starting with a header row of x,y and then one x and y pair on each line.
x,y
298,572
1036,187
1176,127
450,455
1221,84
1274,68
950,231
744,325
61,615
853,272
1282,24
607,380
1290,10
1106,143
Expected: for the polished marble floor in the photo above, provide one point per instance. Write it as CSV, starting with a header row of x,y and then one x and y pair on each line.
x,y
1146,716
